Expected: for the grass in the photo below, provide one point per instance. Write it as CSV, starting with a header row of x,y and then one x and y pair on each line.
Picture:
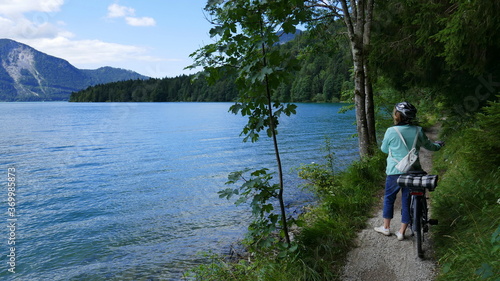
x,y
467,201
327,233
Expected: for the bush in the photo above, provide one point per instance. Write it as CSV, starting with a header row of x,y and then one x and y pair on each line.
x,y
345,200
466,201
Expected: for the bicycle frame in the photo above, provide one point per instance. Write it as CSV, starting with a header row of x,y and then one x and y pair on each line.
x,y
418,182
418,217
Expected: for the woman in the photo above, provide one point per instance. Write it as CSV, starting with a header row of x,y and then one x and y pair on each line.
x,y
404,115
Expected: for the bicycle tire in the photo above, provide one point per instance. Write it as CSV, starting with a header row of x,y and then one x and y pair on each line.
x,y
417,226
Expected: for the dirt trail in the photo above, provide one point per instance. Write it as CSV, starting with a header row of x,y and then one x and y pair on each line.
x,y
380,257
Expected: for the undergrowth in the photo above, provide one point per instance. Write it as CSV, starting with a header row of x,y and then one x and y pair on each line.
x,y
467,201
345,200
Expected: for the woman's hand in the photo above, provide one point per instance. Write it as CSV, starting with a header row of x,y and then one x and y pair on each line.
x,y
441,143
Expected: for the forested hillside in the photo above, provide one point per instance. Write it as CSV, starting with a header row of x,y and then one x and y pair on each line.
x,y
179,88
322,77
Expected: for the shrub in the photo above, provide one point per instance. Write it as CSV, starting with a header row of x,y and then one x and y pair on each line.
x,y
345,200
466,201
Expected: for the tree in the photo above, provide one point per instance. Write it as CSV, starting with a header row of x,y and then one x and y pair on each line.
x,y
470,35
443,51
246,33
357,16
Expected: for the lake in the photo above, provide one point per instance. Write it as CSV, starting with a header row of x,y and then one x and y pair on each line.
x,y
128,191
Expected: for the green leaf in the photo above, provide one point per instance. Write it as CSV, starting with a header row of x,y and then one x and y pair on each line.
x,y
259,172
485,271
246,42
290,109
267,209
495,237
227,193
446,267
240,201
293,247
234,177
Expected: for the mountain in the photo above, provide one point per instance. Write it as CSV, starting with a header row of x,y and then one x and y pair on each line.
x,y
287,37
29,75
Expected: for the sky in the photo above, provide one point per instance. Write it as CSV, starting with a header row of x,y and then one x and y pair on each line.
x,y
151,37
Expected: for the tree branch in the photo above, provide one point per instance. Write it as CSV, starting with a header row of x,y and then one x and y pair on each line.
x,y
348,20
323,4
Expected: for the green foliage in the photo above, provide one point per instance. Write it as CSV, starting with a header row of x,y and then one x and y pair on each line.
x,y
470,35
258,116
320,176
426,100
324,75
343,191
246,34
261,268
466,201
257,191
327,233
181,88
448,48
346,199
221,269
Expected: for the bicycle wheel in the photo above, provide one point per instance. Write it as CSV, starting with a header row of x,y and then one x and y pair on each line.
x,y
417,225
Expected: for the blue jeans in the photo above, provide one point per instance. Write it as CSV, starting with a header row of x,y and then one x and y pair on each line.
x,y
391,191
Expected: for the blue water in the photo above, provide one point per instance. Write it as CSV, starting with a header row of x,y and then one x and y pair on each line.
x,y
128,191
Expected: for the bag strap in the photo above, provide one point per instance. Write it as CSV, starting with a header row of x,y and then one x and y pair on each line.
x,y
404,142
416,138
401,136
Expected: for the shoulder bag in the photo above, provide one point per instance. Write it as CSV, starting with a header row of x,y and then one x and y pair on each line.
x,y
407,162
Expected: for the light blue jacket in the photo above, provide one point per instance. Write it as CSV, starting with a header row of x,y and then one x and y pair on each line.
x,y
393,143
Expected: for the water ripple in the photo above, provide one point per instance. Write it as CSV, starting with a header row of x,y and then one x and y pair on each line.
x,y
129,191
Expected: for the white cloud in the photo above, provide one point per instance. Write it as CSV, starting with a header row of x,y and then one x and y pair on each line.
x,y
144,21
19,27
54,39
15,25
5,22
91,52
117,11
9,7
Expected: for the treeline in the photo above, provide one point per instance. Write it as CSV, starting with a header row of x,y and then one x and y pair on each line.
x,y
181,88
322,77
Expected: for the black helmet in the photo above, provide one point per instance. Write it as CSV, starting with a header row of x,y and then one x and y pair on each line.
x,y
407,109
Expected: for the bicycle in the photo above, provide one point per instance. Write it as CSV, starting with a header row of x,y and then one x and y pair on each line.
x,y
417,183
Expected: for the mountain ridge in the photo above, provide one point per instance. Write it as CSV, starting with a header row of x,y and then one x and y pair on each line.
x,y
27,74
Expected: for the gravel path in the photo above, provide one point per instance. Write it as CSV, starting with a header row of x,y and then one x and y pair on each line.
x,y
380,257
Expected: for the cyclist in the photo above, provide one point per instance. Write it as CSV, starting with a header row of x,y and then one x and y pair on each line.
x,y
404,116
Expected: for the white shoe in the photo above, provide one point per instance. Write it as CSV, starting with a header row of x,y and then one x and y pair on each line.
x,y
400,236
381,229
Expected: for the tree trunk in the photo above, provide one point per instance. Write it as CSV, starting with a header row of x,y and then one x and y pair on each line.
x,y
358,17
360,101
354,19
272,127
369,103
370,112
